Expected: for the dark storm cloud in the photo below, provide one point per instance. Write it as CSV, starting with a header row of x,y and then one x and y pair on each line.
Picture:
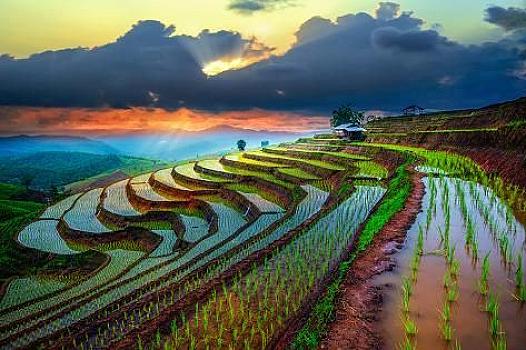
x,y
251,6
314,29
209,46
421,40
383,62
387,10
377,63
510,18
147,64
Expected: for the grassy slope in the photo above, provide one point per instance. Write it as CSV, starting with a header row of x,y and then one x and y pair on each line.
x,y
323,311
371,169
300,174
14,215
130,166
60,168
317,163
490,117
15,260
483,133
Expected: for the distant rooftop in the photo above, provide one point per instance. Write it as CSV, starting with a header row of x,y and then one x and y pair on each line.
x,y
413,107
350,127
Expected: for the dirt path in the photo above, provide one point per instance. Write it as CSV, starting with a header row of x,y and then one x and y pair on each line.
x,y
355,324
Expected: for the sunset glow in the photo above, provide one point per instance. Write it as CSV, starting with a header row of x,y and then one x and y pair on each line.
x,y
220,66
85,121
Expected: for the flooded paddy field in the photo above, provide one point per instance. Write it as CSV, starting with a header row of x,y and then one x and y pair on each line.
x,y
459,279
254,249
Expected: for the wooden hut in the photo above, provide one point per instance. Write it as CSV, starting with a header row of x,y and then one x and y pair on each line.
x,y
351,131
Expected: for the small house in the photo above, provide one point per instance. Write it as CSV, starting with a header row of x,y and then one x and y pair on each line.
x,y
350,131
413,110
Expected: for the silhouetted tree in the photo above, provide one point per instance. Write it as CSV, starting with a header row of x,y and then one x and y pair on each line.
x,y
345,114
241,144
26,180
54,192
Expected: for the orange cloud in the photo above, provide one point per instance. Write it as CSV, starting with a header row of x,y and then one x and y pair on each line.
x,y
32,120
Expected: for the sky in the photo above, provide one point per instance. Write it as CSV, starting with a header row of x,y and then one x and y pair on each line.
x,y
30,26
211,59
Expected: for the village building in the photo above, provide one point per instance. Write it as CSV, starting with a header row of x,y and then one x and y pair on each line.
x,y
413,110
350,131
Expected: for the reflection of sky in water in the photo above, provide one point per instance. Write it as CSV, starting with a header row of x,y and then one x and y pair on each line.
x,y
491,218
430,170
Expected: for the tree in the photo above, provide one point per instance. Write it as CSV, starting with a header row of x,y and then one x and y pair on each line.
x,y
27,179
54,192
241,144
345,114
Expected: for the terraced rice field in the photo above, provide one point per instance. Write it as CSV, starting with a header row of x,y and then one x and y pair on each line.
x,y
56,211
240,158
188,171
82,216
165,177
261,203
117,201
144,190
43,235
313,162
248,250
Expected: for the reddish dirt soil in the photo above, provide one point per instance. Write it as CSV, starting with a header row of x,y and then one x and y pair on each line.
x,y
510,166
358,303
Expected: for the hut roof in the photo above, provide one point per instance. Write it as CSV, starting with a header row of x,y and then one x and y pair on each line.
x,y
413,108
349,127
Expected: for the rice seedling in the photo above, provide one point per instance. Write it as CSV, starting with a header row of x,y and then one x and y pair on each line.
x,y
410,327
519,273
407,344
454,268
491,305
499,343
406,291
484,273
520,294
446,280
495,327
452,293
414,264
446,331
420,241
445,313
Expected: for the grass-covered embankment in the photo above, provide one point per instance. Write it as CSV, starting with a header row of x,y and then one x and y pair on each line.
x,y
18,209
322,312
15,213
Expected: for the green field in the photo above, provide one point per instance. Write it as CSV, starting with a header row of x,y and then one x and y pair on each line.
x,y
47,169
227,252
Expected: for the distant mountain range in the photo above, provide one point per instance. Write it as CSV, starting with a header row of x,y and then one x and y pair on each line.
x,y
170,145
23,145
179,144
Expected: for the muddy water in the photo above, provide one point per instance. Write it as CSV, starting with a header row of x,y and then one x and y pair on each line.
x,y
469,322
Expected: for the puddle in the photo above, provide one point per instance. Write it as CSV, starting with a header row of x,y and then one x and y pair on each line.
x,y
489,220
